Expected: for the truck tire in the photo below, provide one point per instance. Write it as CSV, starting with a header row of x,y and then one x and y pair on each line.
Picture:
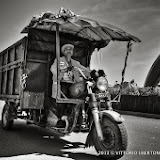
x,y
7,122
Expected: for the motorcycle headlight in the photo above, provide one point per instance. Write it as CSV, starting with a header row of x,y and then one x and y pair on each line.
x,y
102,84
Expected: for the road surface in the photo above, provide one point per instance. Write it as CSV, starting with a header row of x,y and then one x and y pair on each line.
x,y
31,142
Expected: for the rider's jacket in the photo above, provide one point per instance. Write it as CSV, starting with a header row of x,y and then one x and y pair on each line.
x,y
69,76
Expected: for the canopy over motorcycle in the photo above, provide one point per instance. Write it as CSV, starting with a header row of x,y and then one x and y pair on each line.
x,y
85,34
69,22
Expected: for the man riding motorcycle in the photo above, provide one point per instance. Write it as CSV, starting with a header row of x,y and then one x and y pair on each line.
x,y
68,69
69,75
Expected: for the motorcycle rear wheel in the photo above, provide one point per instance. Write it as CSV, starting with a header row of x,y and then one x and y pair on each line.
x,y
115,140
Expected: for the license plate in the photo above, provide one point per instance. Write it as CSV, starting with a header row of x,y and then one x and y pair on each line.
x,y
101,95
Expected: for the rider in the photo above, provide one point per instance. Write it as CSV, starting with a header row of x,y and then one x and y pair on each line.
x,y
69,74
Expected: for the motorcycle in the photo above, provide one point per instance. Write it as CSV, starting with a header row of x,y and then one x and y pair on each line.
x,y
106,131
95,116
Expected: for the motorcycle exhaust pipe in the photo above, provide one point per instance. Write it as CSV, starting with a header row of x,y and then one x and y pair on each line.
x,y
95,113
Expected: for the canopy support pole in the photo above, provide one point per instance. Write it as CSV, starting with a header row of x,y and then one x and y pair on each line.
x,y
58,60
129,45
129,49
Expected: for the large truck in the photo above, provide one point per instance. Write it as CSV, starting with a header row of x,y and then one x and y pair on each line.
x,y
26,79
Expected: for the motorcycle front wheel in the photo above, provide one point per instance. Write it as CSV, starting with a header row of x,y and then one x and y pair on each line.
x,y
115,139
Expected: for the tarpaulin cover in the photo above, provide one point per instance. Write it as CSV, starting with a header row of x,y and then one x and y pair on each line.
x,y
79,26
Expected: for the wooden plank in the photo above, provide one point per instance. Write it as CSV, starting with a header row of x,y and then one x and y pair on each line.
x,y
19,51
11,67
48,73
74,101
10,82
23,67
5,75
40,51
1,60
0,74
5,58
36,60
4,82
11,55
7,66
11,58
9,96
16,81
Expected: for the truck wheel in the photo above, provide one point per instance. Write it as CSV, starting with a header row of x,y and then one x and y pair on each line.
x,y
115,140
7,123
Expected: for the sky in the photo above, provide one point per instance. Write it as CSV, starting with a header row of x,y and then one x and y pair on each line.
x,y
140,18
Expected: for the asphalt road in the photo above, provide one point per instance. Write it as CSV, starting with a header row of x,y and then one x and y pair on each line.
x,y
32,142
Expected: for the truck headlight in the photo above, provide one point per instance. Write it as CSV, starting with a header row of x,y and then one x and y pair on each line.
x,y
102,84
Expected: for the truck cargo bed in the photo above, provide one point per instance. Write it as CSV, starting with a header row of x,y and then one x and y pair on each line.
x,y
10,63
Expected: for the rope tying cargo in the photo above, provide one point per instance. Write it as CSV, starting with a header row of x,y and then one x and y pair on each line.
x,y
23,80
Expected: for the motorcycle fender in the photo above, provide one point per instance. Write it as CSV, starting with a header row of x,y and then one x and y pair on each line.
x,y
115,116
